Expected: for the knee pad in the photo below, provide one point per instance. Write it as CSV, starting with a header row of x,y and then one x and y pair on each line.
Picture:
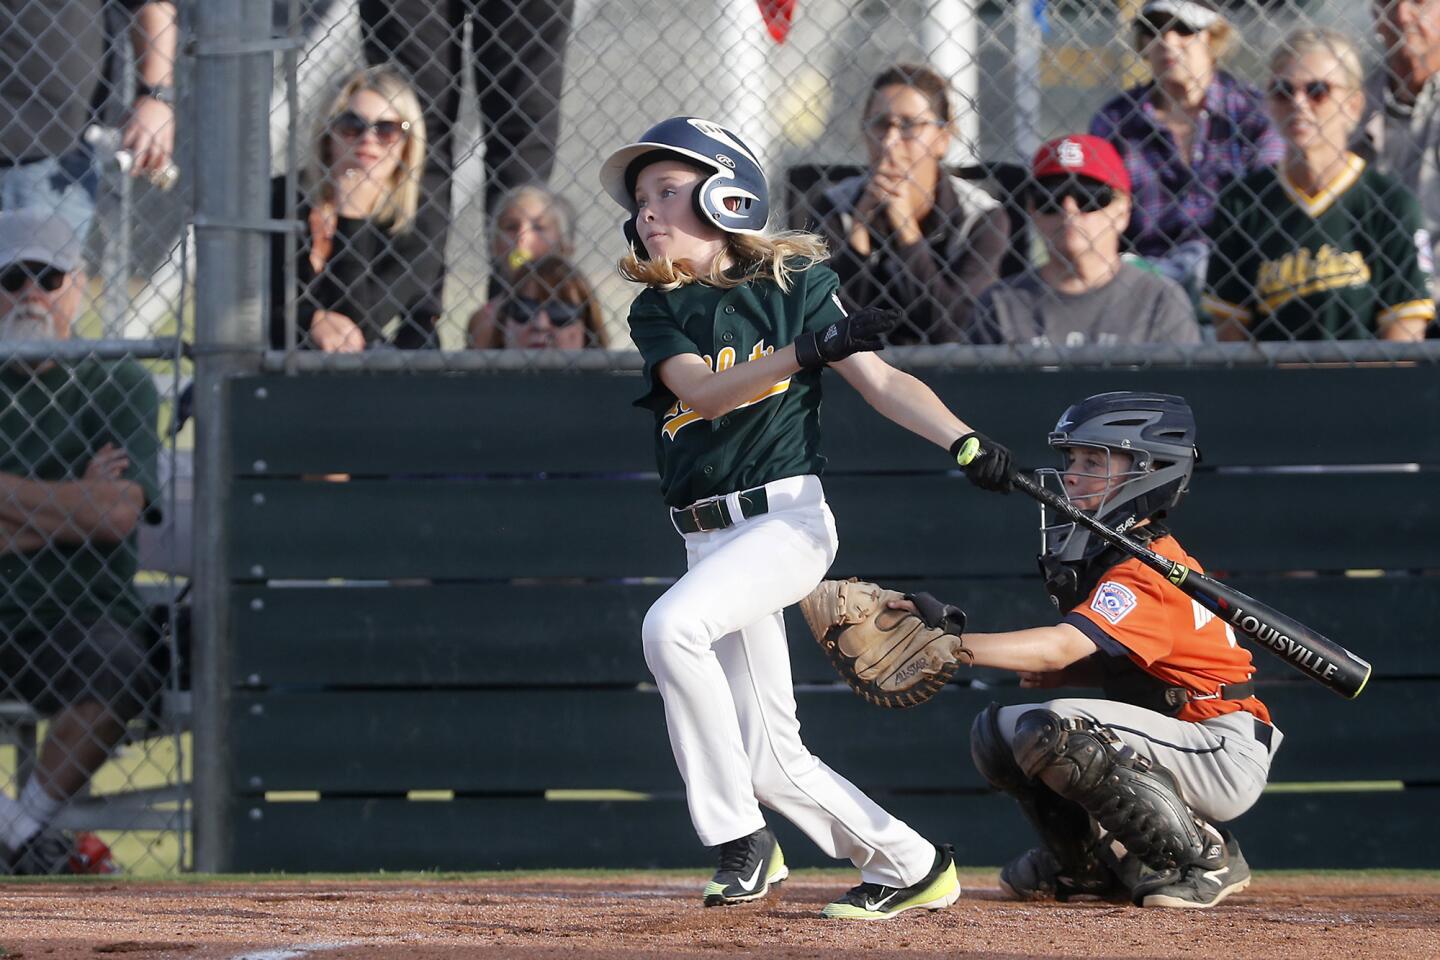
x,y
1139,802
992,756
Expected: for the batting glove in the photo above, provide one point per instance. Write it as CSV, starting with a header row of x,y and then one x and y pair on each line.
x,y
861,332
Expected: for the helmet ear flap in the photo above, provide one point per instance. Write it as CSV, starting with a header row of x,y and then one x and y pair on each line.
x,y
697,201
632,239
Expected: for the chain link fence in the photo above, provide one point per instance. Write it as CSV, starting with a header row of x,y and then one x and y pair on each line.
x,y
921,182
435,205
93,753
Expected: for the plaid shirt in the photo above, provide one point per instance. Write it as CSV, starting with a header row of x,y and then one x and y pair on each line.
x,y
1173,201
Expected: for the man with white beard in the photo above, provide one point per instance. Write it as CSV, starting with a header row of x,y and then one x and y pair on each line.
x,y
78,446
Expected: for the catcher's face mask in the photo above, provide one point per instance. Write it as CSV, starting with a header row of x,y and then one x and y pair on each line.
x,y
1094,479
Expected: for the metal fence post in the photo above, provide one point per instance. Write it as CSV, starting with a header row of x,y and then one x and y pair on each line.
x,y
234,56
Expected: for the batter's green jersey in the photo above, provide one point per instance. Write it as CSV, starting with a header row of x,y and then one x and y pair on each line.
x,y
774,435
51,425
1342,264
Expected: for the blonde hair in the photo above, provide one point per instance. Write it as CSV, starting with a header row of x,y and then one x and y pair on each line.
x,y
776,257
1312,39
556,205
402,196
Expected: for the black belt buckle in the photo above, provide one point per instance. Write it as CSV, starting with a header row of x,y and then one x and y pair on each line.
x,y
703,517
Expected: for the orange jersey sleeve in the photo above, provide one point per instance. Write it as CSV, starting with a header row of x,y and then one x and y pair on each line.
x,y
1167,634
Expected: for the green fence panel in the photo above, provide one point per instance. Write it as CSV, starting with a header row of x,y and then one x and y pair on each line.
x,y
507,740
1346,830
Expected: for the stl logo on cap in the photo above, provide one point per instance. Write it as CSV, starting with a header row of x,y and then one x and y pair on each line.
x,y
1070,153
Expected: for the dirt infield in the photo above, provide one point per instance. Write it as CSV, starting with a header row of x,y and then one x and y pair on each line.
x,y
533,916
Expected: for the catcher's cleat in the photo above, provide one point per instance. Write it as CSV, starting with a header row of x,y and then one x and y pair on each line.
x,y
749,867
874,901
1200,886
1036,875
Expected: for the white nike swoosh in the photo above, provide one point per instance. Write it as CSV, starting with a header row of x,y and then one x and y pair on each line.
x,y
874,905
1216,874
749,885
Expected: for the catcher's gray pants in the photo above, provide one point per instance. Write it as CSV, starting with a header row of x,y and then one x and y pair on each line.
x,y
1220,764
716,644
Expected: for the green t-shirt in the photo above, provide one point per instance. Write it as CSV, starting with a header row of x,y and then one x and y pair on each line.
x,y
775,435
1342,264
51,426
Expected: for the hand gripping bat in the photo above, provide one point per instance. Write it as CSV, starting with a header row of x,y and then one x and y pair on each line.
x,y
1318,657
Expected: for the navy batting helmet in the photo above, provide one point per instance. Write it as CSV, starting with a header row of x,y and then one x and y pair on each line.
x,y
734,197
1157,431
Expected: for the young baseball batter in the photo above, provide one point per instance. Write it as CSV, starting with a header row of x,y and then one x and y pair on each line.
x,y
735,327
1180,741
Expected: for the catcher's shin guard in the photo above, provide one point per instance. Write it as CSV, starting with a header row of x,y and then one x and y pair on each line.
x,y
1062,825
1136,800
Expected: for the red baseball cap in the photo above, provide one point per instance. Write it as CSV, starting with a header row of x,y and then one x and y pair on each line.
x,y
1082,155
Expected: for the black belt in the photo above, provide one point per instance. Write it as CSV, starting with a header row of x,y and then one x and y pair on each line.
x,y
714,514
1179,696
8,162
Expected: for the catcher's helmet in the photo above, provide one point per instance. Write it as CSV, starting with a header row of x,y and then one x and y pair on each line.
x,y
1157,430
734,197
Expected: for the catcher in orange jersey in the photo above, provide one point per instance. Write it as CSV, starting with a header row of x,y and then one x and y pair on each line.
x,y
1179,742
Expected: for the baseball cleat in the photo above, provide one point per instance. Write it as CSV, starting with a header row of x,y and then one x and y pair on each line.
x,y
749,867
1036,875
874,901
1202,885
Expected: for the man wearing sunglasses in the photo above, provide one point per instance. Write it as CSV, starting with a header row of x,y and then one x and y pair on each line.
x,y
78,447
1084,293
1400,133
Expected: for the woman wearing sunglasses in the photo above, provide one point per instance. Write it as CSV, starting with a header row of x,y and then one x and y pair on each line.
x,y
1321,247
530,222
361,265
1083,294
1184,134
549,306
906,235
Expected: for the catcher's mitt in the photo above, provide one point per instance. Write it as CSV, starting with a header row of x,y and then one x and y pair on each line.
x,y
892,658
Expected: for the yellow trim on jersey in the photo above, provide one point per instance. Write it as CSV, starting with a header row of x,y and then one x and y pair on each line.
x,y
680,420
680,416
1224,309
1316,204
1410,310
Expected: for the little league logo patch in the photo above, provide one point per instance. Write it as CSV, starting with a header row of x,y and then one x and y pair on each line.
x,y
1113,601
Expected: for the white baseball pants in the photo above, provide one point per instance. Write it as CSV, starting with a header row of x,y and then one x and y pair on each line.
x,y
715,642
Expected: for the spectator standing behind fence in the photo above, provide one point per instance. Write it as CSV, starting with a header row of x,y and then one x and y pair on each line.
x,y
1184,135
78,447
906,234
362,261
1084,293
1400,133
530,222
549,305
519,59
1322,246
50,61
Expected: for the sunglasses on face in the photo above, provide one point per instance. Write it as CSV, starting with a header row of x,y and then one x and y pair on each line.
x,y
46,277
1158,28
1089,196
524,310
1316,91
351,126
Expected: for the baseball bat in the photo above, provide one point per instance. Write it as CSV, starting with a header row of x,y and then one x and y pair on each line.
x,y
1316,656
